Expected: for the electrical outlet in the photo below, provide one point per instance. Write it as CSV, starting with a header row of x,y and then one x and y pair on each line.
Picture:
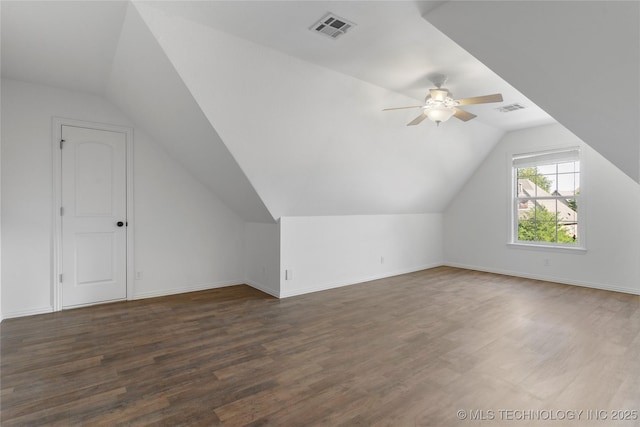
x,y
288,274
381,260
547,262
138,275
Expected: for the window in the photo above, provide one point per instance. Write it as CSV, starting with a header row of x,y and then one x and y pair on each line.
x,y
546,196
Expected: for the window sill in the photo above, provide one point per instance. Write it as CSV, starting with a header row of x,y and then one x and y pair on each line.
x,y
549,248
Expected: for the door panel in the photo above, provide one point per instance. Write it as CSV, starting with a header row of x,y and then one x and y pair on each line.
x,y
94,201
95,258
94,184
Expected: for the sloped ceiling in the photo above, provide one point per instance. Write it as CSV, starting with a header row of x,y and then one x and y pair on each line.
x,y
314,141
276,126
579,60
390,46
144,84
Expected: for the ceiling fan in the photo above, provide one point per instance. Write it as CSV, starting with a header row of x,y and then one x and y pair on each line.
x,y
439,106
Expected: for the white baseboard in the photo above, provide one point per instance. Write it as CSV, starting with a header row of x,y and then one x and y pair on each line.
x,y
182,290
263,288
545,278
354,281
30,312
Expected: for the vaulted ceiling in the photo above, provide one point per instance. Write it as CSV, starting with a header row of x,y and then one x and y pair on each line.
x,y
278,121
579,60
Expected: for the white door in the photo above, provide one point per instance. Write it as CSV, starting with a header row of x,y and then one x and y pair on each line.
x,y
94,199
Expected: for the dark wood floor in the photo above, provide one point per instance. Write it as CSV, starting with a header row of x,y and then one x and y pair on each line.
x,y
411,350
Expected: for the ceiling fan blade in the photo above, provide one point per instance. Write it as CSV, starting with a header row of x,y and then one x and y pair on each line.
x,y
418,119
463,115
403,108
496,97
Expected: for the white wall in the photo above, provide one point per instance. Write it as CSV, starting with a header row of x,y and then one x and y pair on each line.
x,y
476,224
262,256
186,238
331,251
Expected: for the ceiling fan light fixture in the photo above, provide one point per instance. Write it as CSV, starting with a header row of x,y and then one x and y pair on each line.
x,y
439,113
439,105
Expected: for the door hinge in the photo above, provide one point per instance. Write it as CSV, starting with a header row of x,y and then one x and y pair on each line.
x,y
61,143
61,211
60,278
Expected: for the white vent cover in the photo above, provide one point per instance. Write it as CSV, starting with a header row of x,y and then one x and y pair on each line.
x,y
510,107
332,26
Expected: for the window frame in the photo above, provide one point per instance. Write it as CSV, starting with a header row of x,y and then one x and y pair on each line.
x,y
555,153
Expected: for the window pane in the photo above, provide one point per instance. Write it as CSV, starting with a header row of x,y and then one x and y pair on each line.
x,y
547,183
546,209
526,188
525,204
527,230
568,228
548,224
569,167
546,218
527,172
567,184
573,205
546,231
546,169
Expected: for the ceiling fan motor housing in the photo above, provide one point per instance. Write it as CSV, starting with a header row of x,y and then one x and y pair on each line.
x,y
440,97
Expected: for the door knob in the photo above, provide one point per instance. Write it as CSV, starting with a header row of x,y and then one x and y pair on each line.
x,y
120,223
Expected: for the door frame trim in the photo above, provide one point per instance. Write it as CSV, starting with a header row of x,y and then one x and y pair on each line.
x,y
56,240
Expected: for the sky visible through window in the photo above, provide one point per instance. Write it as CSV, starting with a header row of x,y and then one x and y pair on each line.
x,y
564,177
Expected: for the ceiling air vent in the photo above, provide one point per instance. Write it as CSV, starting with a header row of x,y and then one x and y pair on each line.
x,y
510,107
332,26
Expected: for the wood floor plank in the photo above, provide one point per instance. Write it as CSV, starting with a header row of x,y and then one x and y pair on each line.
x,y
408,350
